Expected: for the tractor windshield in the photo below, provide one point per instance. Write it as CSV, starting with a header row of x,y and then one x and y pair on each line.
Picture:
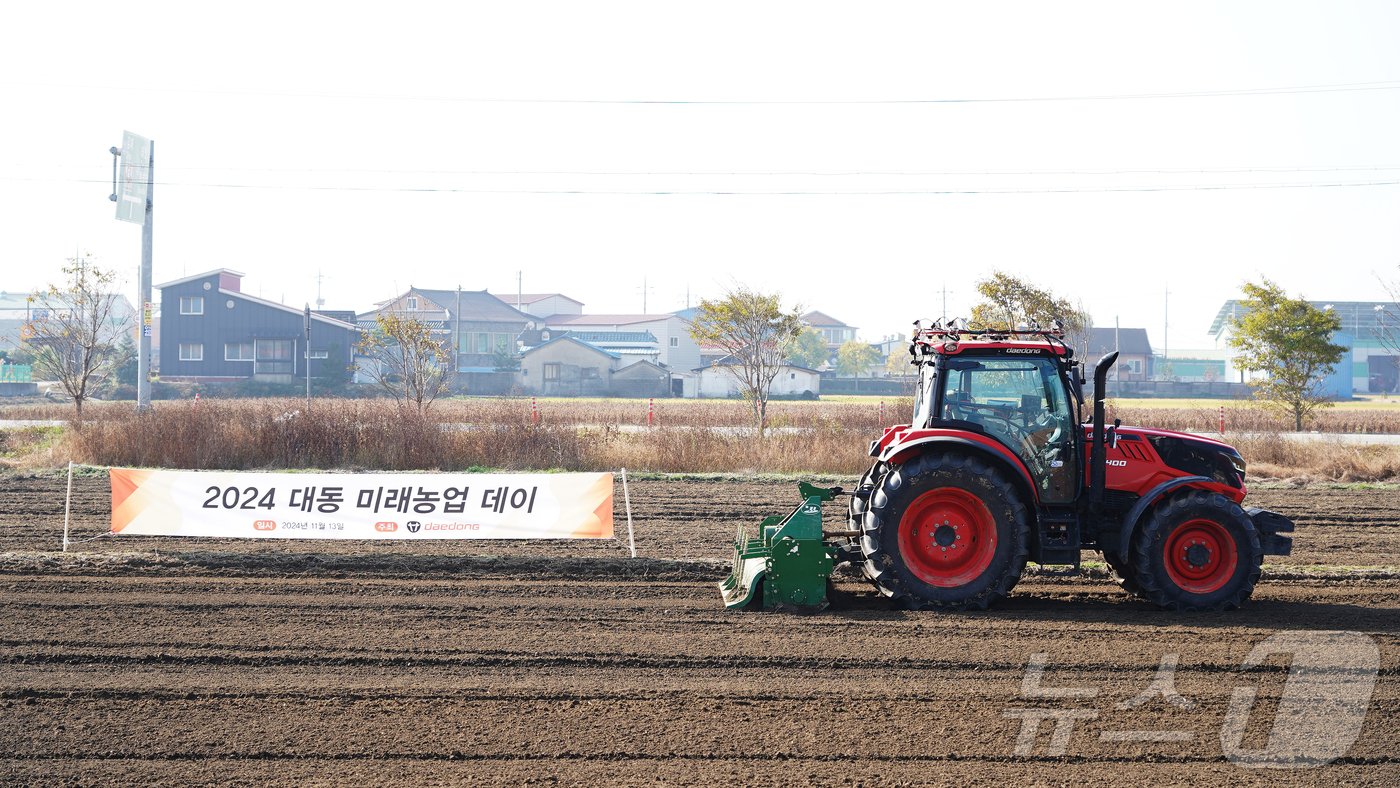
x,y
1021,402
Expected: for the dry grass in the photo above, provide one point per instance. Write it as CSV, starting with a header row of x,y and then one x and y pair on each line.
x,y
691,436
1272,456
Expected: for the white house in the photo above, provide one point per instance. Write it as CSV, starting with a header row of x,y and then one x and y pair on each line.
x,y
543,304
715,381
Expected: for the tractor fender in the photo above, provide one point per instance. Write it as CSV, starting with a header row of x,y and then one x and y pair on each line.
x,y
1125,531
999,455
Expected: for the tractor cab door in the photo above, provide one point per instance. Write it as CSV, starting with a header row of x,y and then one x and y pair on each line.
x,y
1022,403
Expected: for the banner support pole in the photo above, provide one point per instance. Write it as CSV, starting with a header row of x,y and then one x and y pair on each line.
x,y
67,506
627,502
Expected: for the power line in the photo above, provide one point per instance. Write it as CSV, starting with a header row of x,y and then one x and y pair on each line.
x,y
1239,170
772,193
1344,87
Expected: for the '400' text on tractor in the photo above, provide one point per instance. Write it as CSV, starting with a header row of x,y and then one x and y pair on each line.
x,y
995,469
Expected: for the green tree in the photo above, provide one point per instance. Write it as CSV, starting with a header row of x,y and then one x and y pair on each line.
x,y
126,363
1007,303
406,360
809,349
756,333
899,364
855,357
1289,342
75,328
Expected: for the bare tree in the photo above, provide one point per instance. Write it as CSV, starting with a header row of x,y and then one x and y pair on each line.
x,y
407,360
756,333
74,328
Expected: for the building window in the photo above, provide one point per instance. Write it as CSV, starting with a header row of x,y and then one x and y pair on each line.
x,y
413,303
675,341
238,351
502,343
191,305
318,354
589,373
273,357
191,351
551,372
483,343
1133,366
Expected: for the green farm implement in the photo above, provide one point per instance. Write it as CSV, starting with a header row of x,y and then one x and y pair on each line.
x,y
787,566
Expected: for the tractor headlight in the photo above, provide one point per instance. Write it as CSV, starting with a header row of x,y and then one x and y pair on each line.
x,y
1238,462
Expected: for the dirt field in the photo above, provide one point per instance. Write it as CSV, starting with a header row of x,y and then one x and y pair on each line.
x,y
146,660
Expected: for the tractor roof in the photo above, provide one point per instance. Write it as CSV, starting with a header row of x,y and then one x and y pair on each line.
x,y
952,342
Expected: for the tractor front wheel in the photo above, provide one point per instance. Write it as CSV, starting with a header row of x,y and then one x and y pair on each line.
x,y
1198,551
944,530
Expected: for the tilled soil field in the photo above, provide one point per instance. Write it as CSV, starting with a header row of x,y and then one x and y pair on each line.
x,y
141,661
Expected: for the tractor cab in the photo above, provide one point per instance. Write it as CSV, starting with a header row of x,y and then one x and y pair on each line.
x,y
1020,394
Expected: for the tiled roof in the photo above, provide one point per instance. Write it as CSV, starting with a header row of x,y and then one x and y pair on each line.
x,y
476,305
823,320
603,320
1132,341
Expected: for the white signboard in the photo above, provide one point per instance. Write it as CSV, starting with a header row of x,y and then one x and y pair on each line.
x,y
362,506
132,178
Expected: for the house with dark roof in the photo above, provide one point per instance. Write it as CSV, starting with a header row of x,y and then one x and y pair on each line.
x,y
210,330
835,332
481,327
1134,352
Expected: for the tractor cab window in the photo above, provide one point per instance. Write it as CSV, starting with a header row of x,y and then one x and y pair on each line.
x,y
1023,404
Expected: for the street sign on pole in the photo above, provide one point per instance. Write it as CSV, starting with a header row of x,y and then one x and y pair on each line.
x,y
133,178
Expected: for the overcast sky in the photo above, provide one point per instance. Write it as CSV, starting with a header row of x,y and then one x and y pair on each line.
x,y
859,158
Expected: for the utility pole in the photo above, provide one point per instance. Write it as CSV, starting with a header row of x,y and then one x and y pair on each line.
x,y
457,339
134,195
1117,368
1166,314
519,286
306,325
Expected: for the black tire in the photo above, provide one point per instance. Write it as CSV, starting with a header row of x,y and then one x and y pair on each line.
x,y
855,512
1198,551
1124,574
966,493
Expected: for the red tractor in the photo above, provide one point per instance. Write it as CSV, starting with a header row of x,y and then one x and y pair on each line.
x,y
996,469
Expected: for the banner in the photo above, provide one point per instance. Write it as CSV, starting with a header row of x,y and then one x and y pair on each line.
x,y
362,506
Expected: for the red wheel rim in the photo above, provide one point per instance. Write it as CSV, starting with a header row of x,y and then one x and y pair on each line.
x,y
1200,556
947,537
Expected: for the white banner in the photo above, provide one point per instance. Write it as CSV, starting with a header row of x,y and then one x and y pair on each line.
x,y
362,506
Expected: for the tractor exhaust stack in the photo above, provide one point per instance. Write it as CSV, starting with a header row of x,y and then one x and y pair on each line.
x,y
1097,457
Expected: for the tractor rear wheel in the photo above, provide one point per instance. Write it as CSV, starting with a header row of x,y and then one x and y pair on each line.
x,y
1198,551
944,530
